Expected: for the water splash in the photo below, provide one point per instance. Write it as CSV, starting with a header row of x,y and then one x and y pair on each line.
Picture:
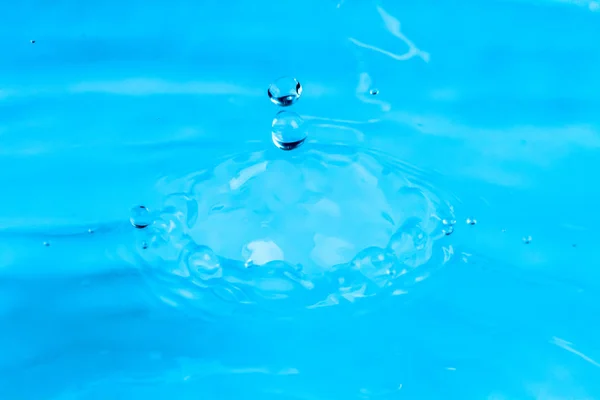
x,y
319,228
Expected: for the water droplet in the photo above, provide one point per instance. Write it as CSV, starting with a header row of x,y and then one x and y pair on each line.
x,y
448,226
285,91
374,92
32,41
46,244
471,221
288,130
140,217
90,231
527,239
144,245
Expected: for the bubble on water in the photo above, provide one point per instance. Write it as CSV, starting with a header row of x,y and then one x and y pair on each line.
x,y
471,221
202,263
288,130
527,239
140,217
285,91
374,92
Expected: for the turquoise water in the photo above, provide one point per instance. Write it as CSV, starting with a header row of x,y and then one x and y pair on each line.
x,y
433,237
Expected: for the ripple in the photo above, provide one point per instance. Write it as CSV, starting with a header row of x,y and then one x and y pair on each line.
x,y
289,231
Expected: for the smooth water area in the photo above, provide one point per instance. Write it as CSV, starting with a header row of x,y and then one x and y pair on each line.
x,y
300,200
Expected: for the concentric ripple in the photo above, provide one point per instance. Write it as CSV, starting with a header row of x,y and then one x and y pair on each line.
x,y
284,231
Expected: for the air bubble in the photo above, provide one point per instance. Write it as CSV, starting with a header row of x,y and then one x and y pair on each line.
x,y
471,221
140,217
374,92
288,130
46,244
527,239
285,91
32,41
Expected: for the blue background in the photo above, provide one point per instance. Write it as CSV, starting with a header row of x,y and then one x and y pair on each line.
x,y
115,96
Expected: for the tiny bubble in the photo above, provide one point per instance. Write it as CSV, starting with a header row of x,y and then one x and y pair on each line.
x,y
471,221
503,230
284,91
32,41
527,239
374,92
46,244
144,245
90,231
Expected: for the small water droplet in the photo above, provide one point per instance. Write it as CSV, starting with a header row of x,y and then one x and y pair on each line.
x,y
288,130
32,41
140,217
90,231
503,230
46,244
284,91
374,92
144,245
471,221
527,239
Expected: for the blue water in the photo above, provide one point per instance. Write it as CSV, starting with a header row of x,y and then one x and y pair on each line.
x,y
343,269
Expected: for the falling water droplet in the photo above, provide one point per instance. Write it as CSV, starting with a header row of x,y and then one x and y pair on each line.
x,y
285,91
140,217
374,92
288,130
471,221
527,239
